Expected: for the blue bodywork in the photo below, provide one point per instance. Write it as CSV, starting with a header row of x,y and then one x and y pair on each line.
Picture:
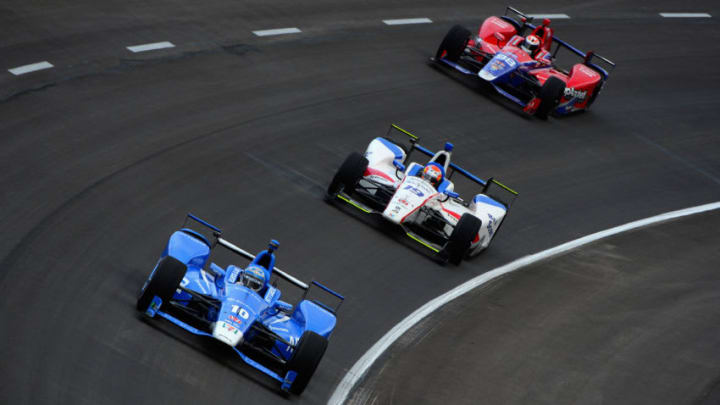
x,y
249,312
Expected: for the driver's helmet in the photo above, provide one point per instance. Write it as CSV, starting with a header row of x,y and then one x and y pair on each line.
x,y
531,44
433,174
253,278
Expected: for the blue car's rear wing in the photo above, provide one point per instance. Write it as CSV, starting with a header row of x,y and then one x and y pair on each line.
x,y
285,276
489,187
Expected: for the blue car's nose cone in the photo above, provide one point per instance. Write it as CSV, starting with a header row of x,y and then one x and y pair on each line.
x,y
499,66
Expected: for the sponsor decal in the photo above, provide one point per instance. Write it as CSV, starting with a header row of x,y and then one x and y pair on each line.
x,y
571,92
244,314
404,202
499,23
490,224
508,60
235,319
293,342
234,275
497,65
414,190
588,71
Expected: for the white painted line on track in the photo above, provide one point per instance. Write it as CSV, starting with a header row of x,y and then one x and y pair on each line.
x,y
150,47
359,369
404,21
277,31
685,15
21,70
550,16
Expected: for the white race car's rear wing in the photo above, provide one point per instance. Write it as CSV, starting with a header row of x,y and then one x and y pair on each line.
x,y
491,187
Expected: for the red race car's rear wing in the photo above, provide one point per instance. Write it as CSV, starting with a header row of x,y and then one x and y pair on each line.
x,y
599,63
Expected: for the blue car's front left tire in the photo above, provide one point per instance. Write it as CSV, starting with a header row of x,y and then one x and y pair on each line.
x,y
163,282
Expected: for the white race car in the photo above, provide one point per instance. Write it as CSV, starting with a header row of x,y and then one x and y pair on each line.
x,y
421,199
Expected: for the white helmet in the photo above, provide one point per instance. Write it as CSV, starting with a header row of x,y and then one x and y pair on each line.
x,y
531,44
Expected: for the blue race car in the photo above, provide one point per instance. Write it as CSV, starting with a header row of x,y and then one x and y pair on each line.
x,y
240,307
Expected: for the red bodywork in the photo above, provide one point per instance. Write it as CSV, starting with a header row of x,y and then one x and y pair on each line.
x,y
496,34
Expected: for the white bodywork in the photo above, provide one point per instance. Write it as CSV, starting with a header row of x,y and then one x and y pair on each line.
x,y
227,333
412,192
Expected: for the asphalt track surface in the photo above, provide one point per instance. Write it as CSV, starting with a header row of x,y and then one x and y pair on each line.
x,y
615,321
102,156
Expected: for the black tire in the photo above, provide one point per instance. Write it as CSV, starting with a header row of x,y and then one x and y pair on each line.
x,y
550,95
349,174
461,238
166,279
454,43
305,359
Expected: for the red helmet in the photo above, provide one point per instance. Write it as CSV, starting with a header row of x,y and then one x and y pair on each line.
x,y
531,44
433,174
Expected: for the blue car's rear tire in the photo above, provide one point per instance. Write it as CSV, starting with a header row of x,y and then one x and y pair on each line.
x,y
550,94
305,359
461,238
454,43
163,282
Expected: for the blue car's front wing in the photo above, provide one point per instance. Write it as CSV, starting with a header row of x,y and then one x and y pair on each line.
x,y
286,381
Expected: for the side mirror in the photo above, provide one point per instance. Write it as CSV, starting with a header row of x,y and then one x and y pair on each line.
x,y
283,306
588,56
399,165
451,194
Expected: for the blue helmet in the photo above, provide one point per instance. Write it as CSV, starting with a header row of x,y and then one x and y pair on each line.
x,y
253,278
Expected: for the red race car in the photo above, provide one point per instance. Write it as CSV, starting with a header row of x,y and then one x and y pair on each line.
x,y
516,59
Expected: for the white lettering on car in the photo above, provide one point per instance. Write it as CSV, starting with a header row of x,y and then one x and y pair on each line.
x,y
510,61
571,92
240,311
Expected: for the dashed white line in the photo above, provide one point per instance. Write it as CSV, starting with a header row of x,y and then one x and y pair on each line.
x,y
404,21
685,15
363,364
150,47
550,16
277,31
21,70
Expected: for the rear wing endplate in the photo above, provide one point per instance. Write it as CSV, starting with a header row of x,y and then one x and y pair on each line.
x,y
517,16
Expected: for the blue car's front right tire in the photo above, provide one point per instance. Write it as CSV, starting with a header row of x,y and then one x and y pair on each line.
x,y
305,359
163,282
